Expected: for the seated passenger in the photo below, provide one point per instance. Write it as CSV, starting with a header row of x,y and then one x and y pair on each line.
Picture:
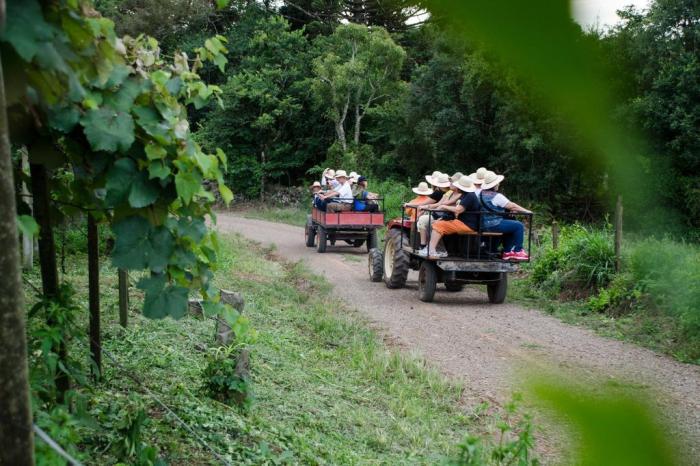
x,y
316,189
328,179
365,201
448,197
493,202
466,211
340,198
478,177
423,191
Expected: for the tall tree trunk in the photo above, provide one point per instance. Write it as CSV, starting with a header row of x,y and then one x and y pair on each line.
x,y
16,435
94,295
358,120
47,259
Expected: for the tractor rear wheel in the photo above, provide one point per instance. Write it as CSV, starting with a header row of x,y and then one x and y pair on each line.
x,y
310,233
396,260
375,264
321,246
427,281
497,290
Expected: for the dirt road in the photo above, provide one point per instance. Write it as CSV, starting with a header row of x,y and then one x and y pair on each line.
x,y
488,346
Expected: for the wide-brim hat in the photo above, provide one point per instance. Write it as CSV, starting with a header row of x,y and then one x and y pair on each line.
x,y
430,178
422,189
441,181
341,174
491,180
478,176
329,173
456,176
465,184
315,184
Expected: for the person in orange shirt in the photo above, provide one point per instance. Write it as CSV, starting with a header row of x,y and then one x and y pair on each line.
x,y
423,191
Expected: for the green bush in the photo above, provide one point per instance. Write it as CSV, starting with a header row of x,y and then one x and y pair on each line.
x,y
669,272
584,261
222,379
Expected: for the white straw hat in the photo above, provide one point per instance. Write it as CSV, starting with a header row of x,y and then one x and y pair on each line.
x,y
423,189
478,176
431,178
465,184
456,176
316,185
491,179
441,181
329,173
341,174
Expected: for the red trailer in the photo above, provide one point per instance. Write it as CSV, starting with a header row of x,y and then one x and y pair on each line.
x,y
355,228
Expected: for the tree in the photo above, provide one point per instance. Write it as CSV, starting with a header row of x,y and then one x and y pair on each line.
x,y
16,426
358,68
266,124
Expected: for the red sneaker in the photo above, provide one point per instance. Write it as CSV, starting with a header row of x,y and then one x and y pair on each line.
x,y
508,255
520,256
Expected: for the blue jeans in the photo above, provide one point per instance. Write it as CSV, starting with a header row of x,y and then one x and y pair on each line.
x,y
513,233
320,204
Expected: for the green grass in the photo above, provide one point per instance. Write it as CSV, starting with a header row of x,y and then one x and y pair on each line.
x,y
294,215
327,390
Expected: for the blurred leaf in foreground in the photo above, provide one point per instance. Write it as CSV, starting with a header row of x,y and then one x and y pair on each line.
x,y
609,428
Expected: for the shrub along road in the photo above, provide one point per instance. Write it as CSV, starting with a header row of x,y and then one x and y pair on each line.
x,y
491,348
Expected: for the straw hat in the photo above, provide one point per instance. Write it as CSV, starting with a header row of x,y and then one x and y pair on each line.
x,y
441,181
456,176
491,180
478,176
354,176
329,173
423,189
316,185
465,184
341,174
431,178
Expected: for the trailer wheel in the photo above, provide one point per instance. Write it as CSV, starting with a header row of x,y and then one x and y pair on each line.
x,y
310,232
375,264
321,246
371,240
454,287
497,290
427,281
396,261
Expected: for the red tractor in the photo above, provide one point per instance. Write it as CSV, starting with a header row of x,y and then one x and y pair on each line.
x,y
355,228
472,259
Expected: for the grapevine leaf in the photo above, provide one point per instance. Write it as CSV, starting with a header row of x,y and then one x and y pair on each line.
x,y
194,229
124,98
126,182
64,119
27,225
220,4
27,31
158,169
148,119
187,184
155,152
143,192
139,245
108,130
212,309
226,193
162,300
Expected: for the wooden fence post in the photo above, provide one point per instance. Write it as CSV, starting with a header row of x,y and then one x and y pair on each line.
x,y
123,297
555,234
94,295
618,234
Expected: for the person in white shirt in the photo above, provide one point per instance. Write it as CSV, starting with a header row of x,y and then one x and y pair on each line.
x,y
340,199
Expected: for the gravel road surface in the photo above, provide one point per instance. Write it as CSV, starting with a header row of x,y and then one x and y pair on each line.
x,y
491,348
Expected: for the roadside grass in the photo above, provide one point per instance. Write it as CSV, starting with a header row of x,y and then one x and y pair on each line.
x,y
327,390
291,215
